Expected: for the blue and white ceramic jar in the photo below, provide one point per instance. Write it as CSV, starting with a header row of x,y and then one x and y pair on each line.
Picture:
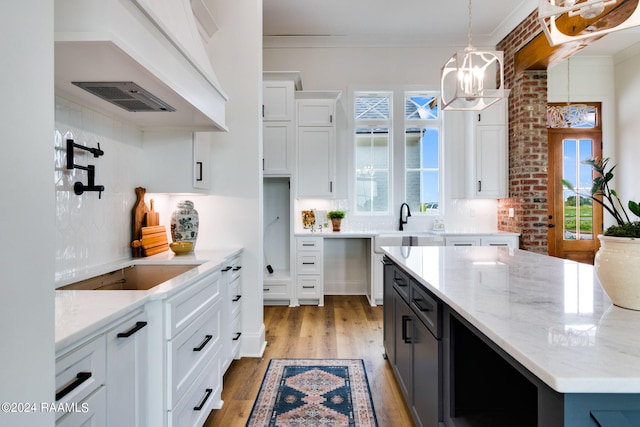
x,y
184,223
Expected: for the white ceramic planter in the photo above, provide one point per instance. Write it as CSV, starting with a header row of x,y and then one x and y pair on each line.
x,y
617,265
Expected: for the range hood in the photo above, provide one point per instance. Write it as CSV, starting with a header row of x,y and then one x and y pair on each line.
x,y
150,50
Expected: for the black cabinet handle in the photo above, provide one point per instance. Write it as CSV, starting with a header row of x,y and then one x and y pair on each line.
x,y
207,338
308,263
237,268
237,298
80,378
400,282
479,186
405,337
237,336
199,164
207,394
227,268
127,334
425,308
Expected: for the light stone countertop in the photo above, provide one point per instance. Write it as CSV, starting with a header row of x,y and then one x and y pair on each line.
x,y
549,314
82,314
328,233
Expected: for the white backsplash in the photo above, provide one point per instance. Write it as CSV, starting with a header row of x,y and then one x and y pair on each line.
x,y
92,231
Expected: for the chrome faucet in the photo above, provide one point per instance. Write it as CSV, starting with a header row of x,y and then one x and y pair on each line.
x,y
406,218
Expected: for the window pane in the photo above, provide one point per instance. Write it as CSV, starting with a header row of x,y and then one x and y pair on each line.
x,y
430,193
413,190
430,148
371,107
421,107
578,210
413,138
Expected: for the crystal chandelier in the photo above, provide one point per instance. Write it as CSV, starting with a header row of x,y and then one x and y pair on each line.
x,y
567,20
472,79
569,115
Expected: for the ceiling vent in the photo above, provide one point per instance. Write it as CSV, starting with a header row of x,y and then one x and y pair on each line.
x,y
126,95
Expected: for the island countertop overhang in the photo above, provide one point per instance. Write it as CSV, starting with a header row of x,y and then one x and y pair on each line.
x,y
549,314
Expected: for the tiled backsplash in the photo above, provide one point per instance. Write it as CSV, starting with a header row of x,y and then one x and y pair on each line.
x,y
92,231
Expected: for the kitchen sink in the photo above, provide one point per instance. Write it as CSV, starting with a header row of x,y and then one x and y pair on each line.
x,y
406,239
139,277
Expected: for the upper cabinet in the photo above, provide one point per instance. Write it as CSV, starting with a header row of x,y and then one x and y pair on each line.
x,y
176,162
278,114
316,143
155,44
485,149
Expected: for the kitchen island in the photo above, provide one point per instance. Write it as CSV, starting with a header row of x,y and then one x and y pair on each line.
x,y
519,338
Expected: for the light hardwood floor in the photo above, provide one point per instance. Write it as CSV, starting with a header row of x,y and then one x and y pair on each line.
x,y
346,327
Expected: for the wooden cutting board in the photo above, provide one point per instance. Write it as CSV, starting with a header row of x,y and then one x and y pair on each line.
x,y
152,217
139,212
153,240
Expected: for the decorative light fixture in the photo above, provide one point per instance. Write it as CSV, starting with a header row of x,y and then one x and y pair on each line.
x,y
472,79
567,20
569,115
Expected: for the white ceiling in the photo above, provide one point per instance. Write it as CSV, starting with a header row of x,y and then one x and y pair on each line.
x,y
405,22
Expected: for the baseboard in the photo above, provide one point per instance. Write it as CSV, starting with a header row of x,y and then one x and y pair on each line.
x,y
253,345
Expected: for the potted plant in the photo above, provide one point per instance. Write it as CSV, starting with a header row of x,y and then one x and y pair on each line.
x,y
336,218
617,262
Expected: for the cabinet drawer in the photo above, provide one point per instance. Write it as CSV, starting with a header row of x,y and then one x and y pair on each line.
x,y
201,398
401,283
190,350
275,290
235,294
189,304
309,244
81,372
236,334
309,287
95,415
427,308
309,263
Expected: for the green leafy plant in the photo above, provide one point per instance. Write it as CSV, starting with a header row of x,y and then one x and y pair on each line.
x,y
336,214
603,194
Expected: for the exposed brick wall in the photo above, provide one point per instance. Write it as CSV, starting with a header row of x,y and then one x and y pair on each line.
x,y
527,144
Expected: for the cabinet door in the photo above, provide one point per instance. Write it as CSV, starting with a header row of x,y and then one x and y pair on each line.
x,y
403,351
316,112
316,161
202,160
278,146
127,373
426,391
491,162
278,99
493,115
510,241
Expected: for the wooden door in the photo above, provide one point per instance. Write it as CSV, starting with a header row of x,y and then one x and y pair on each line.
x,y
574,221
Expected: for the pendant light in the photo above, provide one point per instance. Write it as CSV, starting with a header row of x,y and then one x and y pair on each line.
x,y
581,19
472,79
569,115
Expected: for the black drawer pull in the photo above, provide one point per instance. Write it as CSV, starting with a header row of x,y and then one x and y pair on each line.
x,y
139,325
308,244
419,303
237,336
80,378
207,394
400,282
227,268
237,268
237,298
405,336
266,289
199,164
207,338
308,263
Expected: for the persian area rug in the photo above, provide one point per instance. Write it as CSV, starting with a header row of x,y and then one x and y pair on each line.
x,y
314,393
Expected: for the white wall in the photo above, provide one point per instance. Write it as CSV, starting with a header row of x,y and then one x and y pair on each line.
x,y
384,68
627,142
236,209
27,206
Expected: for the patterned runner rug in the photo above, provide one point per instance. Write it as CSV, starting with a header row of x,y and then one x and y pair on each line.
x,y
314,392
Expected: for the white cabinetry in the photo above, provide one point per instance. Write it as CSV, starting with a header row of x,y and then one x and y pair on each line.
x,y
127,373
176,161
106,377
510,240
278,115
310,270
316,142
231,308
490,148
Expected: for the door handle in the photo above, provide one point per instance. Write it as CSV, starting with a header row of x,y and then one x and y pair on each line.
x,y
551,226
405,336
